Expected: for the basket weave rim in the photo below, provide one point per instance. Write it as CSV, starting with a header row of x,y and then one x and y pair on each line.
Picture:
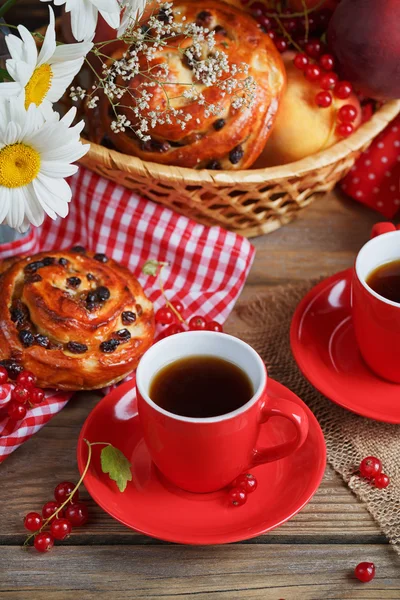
x,y
355,142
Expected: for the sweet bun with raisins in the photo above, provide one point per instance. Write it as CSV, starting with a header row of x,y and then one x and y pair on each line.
x,y
231,138
76,319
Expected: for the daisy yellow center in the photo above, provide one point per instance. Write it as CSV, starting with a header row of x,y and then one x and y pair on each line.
x,y
19,165
38,86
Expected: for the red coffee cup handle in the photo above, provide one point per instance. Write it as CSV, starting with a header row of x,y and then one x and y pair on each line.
x,y
384,227
279,407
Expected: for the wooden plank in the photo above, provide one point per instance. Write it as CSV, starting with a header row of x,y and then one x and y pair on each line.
x,y
233,572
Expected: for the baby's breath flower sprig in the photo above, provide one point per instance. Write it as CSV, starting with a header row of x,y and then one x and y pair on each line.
x,y
133,107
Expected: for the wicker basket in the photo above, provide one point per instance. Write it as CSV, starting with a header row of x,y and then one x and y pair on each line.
x,y
250,202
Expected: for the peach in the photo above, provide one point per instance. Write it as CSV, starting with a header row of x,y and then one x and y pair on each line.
x,y
302,128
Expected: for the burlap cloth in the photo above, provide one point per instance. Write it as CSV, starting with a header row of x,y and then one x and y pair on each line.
x,y
264,322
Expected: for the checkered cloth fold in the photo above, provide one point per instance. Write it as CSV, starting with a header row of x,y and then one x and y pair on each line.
x,y
207,268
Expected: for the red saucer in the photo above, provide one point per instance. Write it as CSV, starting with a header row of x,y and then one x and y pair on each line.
x,y
154,506
325,348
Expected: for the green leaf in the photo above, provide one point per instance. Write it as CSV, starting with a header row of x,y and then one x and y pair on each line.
x,y
151,267
115,463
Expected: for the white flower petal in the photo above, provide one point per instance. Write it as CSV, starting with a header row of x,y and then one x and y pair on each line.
x,y
59,187
83,21
33,210
10,88
15,46
15,215
29,46
68,52
12,134
53,205
19,71
57,169
5,200
112,19
49,42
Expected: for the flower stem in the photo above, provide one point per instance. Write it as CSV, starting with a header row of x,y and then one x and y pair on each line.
x,y
6,6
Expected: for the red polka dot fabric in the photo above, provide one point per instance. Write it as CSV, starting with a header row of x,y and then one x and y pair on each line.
x,y
374,180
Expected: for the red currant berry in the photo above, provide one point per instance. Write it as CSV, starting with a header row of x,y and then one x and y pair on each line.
x,y
33,521
265,22
37,396
258,7
43,542
16,411
347,113
291,25
247,482
197,323
343,90
323,99
214,326
300,61
370,467
327,62
177,304
20,394
237,496
60,528
173,329
3,375
77,514
381,481
50,508
313,48
272,35
165,316
365,571
281,44
312,72
63,490
328,81
26,379
344,129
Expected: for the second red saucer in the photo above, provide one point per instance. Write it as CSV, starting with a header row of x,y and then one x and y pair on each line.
x,y
325,348
154,506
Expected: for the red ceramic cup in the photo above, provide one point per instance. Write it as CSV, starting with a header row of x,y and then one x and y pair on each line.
x,y
204,455
376,319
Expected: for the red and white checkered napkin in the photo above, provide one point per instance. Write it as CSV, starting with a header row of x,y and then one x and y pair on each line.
x,y
208,265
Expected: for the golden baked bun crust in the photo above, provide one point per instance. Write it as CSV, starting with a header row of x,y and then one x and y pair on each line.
x,y
235,137
76,319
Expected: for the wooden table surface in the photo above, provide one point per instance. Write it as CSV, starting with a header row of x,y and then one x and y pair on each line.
x,y
309,558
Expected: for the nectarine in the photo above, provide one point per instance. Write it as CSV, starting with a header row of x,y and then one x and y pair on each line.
x,y
302,128
364,35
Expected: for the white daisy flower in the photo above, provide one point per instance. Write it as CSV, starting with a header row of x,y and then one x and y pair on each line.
x,y
36,154
41,78
84,15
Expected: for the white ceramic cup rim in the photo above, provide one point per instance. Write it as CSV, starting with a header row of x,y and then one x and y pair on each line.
x,y
369,247
196,336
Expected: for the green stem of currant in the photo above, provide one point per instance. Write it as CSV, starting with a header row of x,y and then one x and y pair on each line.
x,y
85,470
6,6
167,302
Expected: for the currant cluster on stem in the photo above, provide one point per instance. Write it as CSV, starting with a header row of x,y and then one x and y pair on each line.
x,y
371,469
171,316
22,395
57,518
291,31
240,488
